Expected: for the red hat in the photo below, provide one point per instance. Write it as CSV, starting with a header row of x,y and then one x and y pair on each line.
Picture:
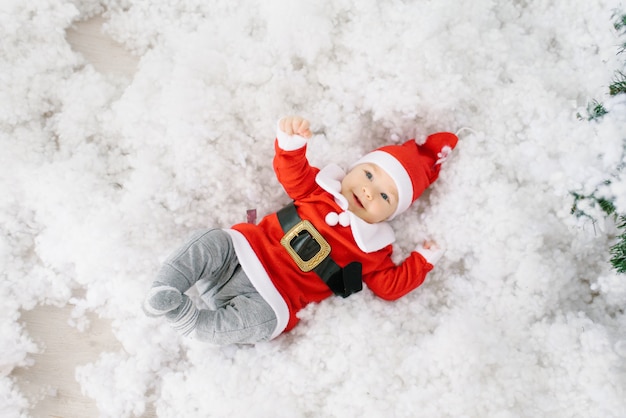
x,y
412,167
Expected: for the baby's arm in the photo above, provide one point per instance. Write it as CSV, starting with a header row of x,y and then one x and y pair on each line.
x,y
290,163
394,281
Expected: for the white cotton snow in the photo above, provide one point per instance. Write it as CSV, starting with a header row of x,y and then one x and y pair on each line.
x,y
100,180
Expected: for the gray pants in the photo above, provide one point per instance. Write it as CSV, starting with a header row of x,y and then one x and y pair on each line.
x,y
237,313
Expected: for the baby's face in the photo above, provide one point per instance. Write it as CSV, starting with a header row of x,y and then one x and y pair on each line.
x,y
372,195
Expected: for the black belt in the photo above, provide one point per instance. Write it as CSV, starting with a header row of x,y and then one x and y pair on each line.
x,y
310,251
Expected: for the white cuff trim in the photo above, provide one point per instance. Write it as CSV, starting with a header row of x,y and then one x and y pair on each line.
x,y
289,142
260,280
432,256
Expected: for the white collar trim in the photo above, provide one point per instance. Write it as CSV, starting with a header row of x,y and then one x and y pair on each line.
x,y
368,237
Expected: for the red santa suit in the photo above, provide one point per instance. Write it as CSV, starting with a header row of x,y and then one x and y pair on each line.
x,y
317,198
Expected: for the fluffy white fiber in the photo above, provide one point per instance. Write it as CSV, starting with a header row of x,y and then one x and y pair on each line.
x,y
101,177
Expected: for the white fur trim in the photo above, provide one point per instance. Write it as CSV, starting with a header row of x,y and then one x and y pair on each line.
x,y
368,237
329,178
431,255
398,174
260,279
371,237
289,142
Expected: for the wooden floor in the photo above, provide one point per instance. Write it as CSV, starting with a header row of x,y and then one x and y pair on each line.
x,y
100,50
49,384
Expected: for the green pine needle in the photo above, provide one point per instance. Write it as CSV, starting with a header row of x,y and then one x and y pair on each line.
x,y
620,26
620,22
618,251
606,205
619,85
596,110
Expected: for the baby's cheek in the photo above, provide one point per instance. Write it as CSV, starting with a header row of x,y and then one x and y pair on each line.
x,y
380,212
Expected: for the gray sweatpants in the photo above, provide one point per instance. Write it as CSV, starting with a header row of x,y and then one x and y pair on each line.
x,y
237,313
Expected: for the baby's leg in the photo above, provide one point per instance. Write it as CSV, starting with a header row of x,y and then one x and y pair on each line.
x,y
206,255
246,319
241,314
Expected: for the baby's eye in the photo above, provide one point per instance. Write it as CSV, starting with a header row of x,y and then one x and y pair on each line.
x,y
385,196
368,175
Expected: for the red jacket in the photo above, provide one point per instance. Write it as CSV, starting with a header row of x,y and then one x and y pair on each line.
x,y
277,277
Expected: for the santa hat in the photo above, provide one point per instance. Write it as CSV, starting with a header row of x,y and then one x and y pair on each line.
x,y
411,166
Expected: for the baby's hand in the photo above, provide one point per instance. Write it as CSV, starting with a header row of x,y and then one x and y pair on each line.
x,y
430,245
295,125
430,251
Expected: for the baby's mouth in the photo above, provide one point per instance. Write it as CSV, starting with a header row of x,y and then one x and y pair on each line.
x,y
358,202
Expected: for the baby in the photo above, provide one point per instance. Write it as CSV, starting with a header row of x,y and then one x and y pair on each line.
x,y
330,240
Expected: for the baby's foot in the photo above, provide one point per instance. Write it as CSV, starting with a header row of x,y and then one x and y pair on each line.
x,y
183,319
161,300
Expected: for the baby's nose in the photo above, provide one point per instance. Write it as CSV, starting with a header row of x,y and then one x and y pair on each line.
x,y
367,193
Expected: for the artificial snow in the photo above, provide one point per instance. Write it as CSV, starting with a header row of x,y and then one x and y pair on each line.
x,y
101,177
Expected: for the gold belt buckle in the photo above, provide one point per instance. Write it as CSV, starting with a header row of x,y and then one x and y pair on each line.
x,y
306,265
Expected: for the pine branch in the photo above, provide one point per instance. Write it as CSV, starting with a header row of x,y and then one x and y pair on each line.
x,y
595,111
